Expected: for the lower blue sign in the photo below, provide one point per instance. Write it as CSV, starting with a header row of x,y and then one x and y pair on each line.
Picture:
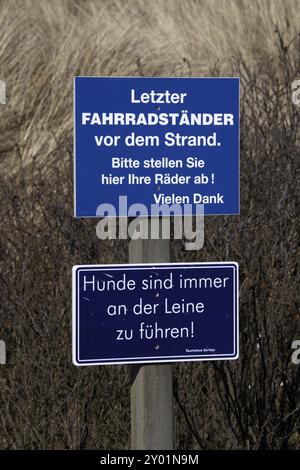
x,y
148,313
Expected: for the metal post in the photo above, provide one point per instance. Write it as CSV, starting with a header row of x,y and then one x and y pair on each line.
x,y
151,384
2,352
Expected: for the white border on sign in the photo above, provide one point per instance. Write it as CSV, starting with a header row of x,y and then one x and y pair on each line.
x,y
156,359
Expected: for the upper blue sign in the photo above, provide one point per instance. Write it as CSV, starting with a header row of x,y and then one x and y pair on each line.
x,y
166,144
155,313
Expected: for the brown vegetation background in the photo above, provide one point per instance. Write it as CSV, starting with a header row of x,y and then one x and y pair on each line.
x,y
45,401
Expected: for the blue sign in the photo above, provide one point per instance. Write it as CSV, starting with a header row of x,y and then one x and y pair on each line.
x,y
156,142
148,313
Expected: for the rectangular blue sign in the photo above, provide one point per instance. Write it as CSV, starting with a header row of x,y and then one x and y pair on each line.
x,y
158,143
148,313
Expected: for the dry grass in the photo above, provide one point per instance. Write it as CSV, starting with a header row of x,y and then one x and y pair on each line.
x,y
44,43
